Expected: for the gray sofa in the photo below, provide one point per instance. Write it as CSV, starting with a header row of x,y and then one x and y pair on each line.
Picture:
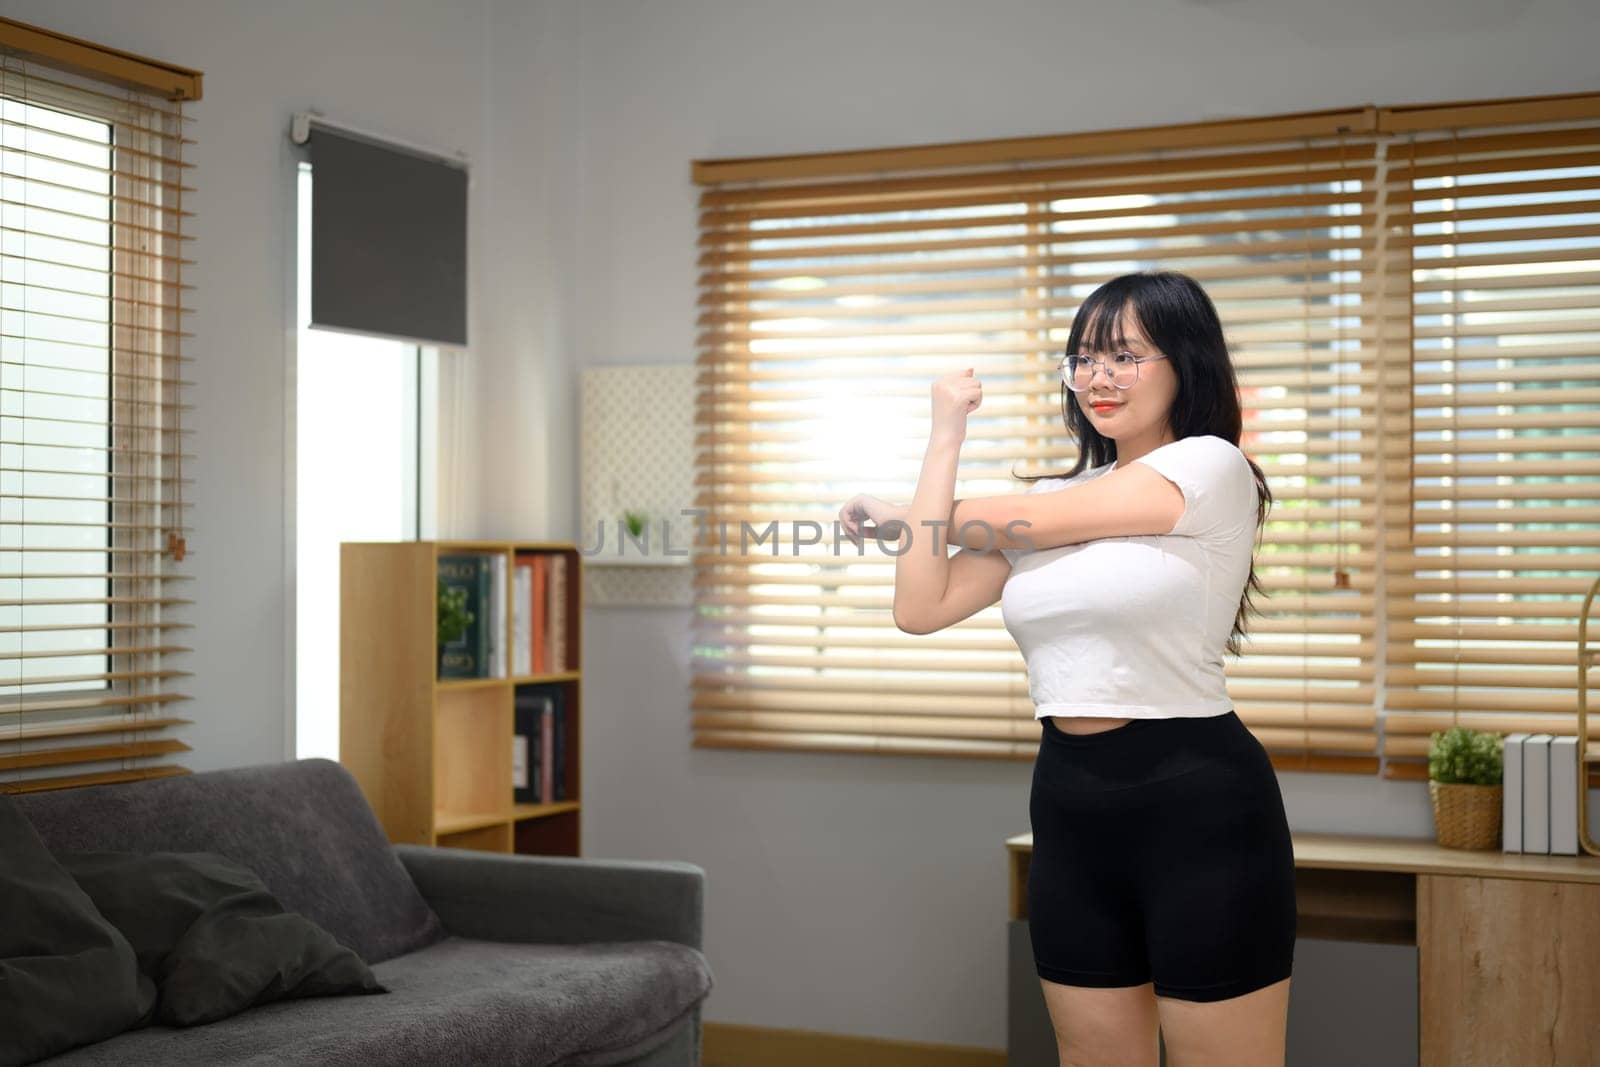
x,y
488,958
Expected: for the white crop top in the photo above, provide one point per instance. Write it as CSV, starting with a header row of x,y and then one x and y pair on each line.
x,y
1136,627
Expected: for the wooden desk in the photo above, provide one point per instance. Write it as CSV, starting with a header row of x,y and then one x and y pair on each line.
x,y
1508,945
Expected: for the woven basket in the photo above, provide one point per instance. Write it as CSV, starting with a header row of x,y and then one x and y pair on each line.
x,y
1466,816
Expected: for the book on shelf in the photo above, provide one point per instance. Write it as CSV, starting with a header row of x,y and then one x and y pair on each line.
x,y
559,776
1564,772
557,623
479,652
522,617
1536,794
496,599
526,753
541,580
547,738
520,781
1511,792
464,657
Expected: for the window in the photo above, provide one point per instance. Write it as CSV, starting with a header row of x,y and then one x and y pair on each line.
x,y
829,306
365,444
1499,540
835,288
94,497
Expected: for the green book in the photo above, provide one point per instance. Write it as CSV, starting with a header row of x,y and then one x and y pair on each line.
x,y
485,616
463,657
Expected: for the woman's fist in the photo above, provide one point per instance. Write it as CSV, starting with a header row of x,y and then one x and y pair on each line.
x,y
861,508
955,396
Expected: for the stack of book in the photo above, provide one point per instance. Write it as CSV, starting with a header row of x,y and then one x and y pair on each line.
x,y
535,599
541,630
1540,809
539,745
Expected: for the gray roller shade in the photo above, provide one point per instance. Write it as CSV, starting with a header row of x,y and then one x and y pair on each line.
x,y
388,240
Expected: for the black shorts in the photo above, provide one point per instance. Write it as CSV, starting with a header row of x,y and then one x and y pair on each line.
x,y
1161,853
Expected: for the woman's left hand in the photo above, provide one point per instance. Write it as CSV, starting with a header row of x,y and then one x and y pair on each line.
x,y
862,507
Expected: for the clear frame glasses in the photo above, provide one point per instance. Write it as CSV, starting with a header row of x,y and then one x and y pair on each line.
x,y
1122,369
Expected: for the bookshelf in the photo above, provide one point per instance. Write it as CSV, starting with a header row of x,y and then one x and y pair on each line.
x,y
434,755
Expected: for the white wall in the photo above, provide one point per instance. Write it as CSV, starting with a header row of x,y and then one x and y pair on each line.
x,y
409,68
524,361
867,895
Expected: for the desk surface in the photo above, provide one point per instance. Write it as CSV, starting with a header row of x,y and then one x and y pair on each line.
x,y
1417,855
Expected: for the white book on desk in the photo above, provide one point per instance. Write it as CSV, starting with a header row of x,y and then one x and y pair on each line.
x,y
1511,793
1564,796
1536,793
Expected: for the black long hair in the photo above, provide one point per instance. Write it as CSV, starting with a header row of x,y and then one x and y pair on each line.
x,y
1181,321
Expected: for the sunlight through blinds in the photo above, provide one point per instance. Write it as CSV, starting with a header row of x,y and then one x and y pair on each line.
x,y
94,487
834,289
1498,208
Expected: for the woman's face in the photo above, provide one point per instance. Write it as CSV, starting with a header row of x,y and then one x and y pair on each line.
x,y
1137,414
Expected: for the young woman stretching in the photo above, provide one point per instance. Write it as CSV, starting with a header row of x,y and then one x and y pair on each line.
x,y
1161,889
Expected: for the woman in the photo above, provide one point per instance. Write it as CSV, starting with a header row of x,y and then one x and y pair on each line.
x,y
1161,888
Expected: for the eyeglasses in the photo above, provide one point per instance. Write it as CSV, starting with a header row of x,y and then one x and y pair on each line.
x,y
1077,371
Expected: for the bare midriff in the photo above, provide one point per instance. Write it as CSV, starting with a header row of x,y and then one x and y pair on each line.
x,y
1087,724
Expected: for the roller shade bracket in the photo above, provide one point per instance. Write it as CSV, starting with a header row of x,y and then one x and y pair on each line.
x,y
300,133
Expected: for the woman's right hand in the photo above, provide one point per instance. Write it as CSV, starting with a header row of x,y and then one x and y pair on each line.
x,y
862,507
955,396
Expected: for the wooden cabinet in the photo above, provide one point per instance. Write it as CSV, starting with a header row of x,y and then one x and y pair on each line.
x,y
434,756
1509,971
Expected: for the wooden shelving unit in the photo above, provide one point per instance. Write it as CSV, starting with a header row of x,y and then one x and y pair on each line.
x,y
432,755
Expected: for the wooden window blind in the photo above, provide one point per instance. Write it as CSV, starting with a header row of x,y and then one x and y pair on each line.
x,y
833,289
1495,212
93,490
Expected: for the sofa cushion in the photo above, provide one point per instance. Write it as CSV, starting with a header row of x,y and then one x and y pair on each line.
x,y
456,1001
303,827
67,976
210,935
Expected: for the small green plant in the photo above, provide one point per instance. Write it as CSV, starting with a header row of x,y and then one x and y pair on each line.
x,y
635,521
1466,757
454,618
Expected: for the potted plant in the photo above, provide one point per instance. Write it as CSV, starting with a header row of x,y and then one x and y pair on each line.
x,y
1464,782
454,618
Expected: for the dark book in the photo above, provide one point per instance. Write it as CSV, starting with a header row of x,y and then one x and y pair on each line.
x,y
525,725
485,616
559,700
463,658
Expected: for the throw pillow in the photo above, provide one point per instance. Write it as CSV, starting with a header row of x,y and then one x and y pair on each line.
x,y
67,977
211,936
